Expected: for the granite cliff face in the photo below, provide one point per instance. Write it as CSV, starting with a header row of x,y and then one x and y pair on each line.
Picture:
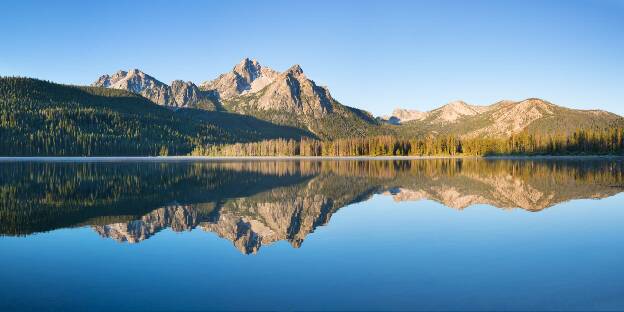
x,y
288,98
291,92
248,76
179,94
138,82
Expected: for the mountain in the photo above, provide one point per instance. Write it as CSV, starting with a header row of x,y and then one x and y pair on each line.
x,y
248,76
501,119
292,99
179,94
400,115
289,98
48,119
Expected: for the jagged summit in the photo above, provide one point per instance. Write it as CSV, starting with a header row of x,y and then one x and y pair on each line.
x,y
286,98
178,94
290,98
248,69
295,70
248,76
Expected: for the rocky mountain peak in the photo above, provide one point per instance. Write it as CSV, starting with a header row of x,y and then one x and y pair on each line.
x,y
248,76
293,92
294,70
179,94
248,69
138,82
404,115
453,111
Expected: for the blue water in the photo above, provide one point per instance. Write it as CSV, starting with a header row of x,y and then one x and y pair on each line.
x,y
373,254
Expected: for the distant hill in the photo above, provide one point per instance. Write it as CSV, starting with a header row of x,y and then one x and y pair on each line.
x,y
43,118
500,119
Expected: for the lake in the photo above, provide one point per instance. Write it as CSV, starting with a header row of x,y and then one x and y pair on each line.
x,y
433,234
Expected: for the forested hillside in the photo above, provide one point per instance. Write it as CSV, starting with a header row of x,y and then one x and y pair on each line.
x,y
48,119
39,118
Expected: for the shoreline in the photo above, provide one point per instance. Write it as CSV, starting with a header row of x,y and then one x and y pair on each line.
x,y
287,158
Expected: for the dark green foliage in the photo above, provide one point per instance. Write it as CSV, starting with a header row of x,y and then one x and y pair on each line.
x,y
43,196
38,197
609,141
39,118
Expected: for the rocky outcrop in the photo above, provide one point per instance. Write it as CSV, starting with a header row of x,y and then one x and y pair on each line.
x,y
179,94
400,115
250,85
246,77
293,92
187,94
138,82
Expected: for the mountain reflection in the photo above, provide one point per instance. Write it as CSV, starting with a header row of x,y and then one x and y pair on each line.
x,y
254,203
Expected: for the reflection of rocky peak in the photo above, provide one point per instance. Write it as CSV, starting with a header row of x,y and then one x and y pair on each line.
x,y
254,203
502,191
286,213
274,216
178,217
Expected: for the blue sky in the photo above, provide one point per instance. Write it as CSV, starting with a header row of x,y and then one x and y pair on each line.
x,y
374,55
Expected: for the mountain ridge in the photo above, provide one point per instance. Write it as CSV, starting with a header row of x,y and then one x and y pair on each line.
x,y
290,98
287,98
501,119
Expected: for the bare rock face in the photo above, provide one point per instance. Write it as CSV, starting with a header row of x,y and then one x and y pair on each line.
x,y
449,113
455,110
138,82
261,88
187,94
248,76
179,94
400,115
292,91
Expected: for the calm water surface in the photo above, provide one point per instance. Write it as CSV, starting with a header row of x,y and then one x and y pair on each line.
x,y
436,234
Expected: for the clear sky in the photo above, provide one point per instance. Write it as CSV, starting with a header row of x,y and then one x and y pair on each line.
x,y
374,55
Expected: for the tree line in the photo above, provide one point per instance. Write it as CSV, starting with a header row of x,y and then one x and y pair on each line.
x,y
608,141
